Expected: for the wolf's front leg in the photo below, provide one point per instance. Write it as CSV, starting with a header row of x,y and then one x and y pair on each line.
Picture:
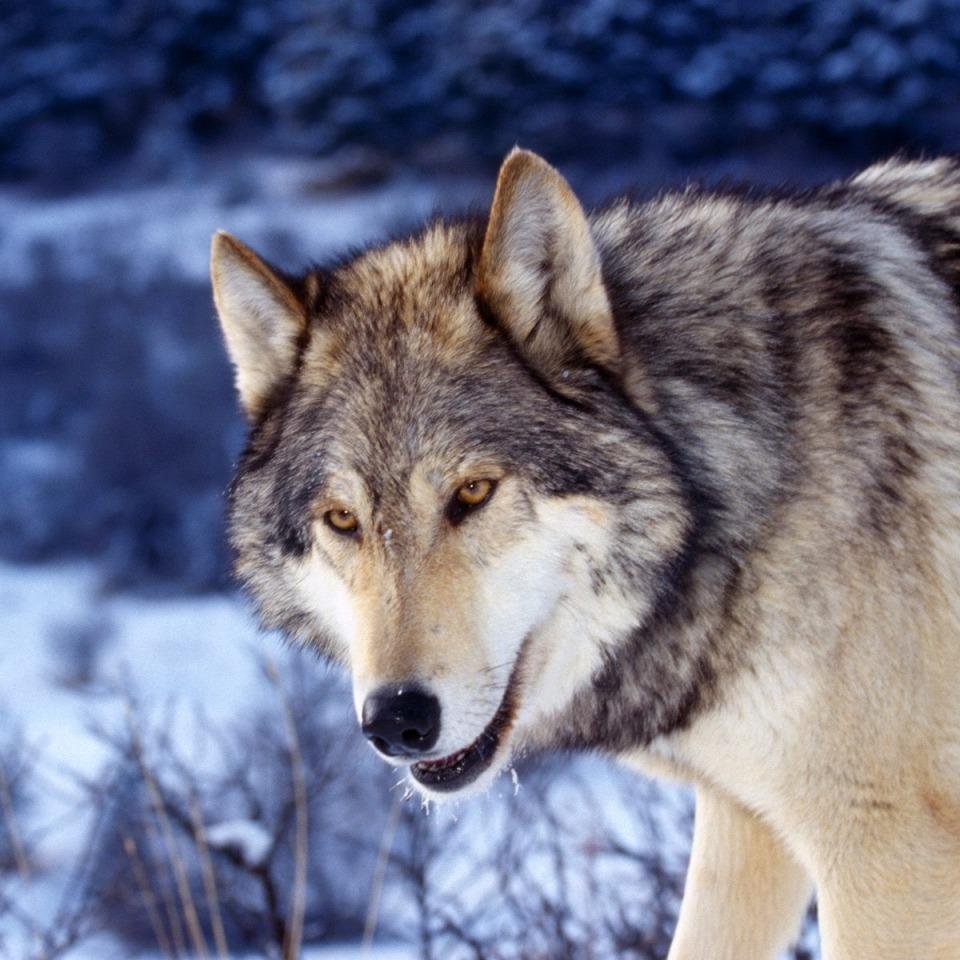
x,y
894,894
744,893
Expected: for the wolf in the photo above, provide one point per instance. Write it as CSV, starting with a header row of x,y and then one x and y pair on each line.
x,y
675,480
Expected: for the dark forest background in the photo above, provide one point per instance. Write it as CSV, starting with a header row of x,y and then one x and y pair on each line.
x,y
105,95
452,83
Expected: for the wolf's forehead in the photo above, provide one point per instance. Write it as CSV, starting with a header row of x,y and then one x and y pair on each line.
x,y
447,249
413,407
410,414
415,289
401,360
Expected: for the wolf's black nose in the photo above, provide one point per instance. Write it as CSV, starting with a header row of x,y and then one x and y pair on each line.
x,y
401,721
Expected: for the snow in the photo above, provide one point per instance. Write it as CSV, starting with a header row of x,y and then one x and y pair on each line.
x,y
248,838
170,654
180,649
164,652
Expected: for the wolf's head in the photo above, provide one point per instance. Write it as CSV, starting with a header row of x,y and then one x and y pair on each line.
x,y
446,487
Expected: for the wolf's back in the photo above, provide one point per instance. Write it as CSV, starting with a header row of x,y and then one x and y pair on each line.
x,y
928,193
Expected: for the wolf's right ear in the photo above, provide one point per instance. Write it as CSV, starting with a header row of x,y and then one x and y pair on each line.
x,y
262,317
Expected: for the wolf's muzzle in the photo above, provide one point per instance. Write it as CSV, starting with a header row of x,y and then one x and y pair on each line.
x,y
401,720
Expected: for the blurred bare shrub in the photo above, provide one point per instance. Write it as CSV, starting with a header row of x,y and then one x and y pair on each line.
x,y
280,829
564,864
15,769
206,848
21,865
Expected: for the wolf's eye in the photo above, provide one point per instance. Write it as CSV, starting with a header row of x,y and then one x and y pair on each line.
x,y
469,496
342,521
474,492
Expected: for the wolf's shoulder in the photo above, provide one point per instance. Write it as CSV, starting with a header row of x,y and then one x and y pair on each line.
x,y
927,188
895,212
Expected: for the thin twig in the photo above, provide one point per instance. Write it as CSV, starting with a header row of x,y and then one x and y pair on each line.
x,y
149,898
173,852
10,822
209,878
379,876
22,863
169,903
298,899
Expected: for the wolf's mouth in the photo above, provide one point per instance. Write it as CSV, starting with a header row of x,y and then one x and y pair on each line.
x,y
460,769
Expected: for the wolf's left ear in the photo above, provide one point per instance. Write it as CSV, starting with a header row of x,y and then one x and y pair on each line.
x,y
262,316
539,270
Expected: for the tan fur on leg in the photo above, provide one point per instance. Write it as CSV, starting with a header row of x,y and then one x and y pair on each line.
x,y
744,893
893,896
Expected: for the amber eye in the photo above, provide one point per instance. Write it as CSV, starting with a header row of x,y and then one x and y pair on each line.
x,y
475,492
469,496
342,521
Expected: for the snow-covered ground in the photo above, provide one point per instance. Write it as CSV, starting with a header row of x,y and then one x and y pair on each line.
x,y
167,653
279,206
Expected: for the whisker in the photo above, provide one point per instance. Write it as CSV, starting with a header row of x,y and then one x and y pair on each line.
x,y
497,666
